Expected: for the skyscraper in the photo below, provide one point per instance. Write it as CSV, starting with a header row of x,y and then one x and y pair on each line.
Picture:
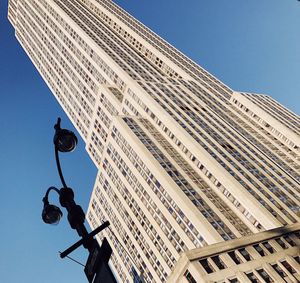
x,y
184,161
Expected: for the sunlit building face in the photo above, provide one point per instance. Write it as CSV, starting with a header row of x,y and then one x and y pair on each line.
x,y
184,161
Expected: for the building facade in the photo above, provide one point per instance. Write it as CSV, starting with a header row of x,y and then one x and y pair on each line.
x,y
269,256
184,161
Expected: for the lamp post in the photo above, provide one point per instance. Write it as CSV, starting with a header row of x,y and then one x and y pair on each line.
x,y
96,268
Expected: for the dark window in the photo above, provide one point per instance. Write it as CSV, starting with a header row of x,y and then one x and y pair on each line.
x,y
289,240
245,254
268,247
189,277
234,257
252,277
297,258
288,267
206,265
279,270
281,243
259,249
219,263
265,276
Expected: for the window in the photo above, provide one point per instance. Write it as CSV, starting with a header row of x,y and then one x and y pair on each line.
x,y
234,257
259,249
268,247
297,258
189,277
265,275
245,254
281,243
252,277
289,240
219,263
279,270
288,267
207,266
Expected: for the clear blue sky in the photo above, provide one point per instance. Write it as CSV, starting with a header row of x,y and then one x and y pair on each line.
x,y
250,45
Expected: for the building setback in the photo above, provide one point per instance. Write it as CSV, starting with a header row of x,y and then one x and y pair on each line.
x,y
189,170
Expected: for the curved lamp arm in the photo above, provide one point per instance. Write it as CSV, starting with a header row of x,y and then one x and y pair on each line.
x,y
45,198
51,213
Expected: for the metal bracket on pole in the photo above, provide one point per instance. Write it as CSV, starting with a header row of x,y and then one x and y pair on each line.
x,y
87,238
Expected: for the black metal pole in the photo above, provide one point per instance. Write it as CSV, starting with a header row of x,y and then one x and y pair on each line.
x,y
97,264
59,168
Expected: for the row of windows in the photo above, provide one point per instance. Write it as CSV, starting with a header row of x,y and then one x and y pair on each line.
x,y
112,110
101,130
271,129
50,76
133,110
91,54
191,156
103,117
70,52
295,118
236,141
277,111
97,142
12,11
93,152
119,254
166,49
56,62
183,148
283,269
232,118
281,264
173,237
114,47
118,94
164,197
242,255
135,227
274,145
181,182
131,39
203,186
149,203
125,238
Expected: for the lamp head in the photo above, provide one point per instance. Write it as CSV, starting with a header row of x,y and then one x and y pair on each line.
x,y
51,214
64,140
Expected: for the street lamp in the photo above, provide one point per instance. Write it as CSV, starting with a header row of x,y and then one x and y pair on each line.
x,y
64,140
97,264
51,213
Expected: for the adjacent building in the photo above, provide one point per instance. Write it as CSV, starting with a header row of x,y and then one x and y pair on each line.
x,y
269,256
189,170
